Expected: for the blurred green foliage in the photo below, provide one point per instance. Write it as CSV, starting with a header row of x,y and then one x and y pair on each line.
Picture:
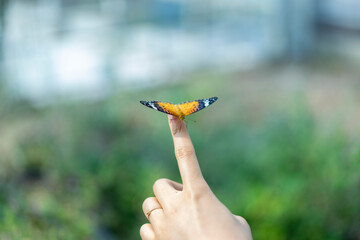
x,y
82,170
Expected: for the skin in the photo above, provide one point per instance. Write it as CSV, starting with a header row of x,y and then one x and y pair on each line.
x,y
190,210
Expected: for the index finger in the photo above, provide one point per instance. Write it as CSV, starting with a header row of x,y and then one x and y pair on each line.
x,y
185,154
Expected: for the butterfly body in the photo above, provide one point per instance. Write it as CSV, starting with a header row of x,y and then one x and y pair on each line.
x,y
180,110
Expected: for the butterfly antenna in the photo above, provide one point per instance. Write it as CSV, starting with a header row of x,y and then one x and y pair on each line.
x,y
189,120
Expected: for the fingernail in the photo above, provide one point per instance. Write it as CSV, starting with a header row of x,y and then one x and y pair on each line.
x,y
173,124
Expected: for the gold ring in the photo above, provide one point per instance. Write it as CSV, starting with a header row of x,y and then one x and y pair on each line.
x,y
150,211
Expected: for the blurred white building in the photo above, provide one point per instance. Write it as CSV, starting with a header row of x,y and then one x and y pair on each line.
x,y
63,48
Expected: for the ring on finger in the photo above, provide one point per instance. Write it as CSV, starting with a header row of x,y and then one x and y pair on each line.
x,y
150,211
150,204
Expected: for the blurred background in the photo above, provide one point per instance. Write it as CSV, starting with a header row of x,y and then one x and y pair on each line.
x,y
281,146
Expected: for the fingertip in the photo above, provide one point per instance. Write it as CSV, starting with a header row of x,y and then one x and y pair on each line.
x,y
170,117
176,125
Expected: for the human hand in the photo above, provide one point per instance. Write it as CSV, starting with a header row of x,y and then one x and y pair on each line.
x,y
190,210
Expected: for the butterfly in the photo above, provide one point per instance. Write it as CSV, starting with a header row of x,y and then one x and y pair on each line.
x,y
180,110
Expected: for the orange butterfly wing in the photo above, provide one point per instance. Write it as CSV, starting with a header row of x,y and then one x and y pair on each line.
x,y
182,109
169,108
188,108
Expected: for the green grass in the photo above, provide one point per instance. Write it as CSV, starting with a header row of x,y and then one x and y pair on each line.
x,y
81,170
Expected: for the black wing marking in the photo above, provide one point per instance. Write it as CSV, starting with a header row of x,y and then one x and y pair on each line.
x,y
154,105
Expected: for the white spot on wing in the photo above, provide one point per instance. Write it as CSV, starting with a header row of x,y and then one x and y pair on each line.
x,y
152,105
206,102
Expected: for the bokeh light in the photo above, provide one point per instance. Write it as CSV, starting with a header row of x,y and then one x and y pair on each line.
x,y
79,153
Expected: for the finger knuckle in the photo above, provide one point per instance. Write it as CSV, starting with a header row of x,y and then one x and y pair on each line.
x,y
146,202
242,220
158,183
184,152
